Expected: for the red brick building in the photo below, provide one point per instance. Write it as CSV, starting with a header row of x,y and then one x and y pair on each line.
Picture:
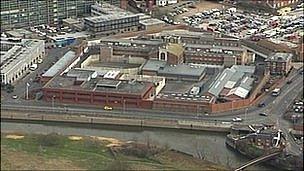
x,y
98,91
279,63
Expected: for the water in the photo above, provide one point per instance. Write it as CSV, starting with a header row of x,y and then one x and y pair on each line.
x,y
212,145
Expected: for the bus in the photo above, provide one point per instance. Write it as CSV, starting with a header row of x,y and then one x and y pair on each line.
x,y
275,92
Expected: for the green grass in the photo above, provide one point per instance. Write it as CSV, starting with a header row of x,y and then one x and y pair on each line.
x,y
92,154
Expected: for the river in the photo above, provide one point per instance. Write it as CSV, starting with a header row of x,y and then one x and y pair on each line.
x,y
212,145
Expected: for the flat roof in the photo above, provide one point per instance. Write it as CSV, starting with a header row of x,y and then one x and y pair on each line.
x,y
60,64
100,85
102,18
18,32
153,65
182,70
151,21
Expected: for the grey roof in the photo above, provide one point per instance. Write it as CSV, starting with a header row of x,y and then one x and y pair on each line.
x,y
246,83
182,70
153,65
254,46
151,21
103,18
78,72
244,68
220,82
60,64
239,74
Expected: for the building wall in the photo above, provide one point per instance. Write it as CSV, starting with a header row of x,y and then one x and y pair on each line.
x,y
17,14
98,98
181,106
278,67
175,60
113,26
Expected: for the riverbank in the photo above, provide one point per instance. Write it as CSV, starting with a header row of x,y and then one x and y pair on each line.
x,y
57,152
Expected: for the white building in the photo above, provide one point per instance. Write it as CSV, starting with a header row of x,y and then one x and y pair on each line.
x,y
17,55
165,2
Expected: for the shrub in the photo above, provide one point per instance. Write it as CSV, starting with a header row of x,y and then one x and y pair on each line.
x,y
49,140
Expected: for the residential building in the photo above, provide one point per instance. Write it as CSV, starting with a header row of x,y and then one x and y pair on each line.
x,y
279,63
26,13
17,56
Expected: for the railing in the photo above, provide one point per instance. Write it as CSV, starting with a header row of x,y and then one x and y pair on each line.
x,y
259,159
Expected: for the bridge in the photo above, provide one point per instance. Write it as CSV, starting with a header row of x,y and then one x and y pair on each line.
x,y
259,159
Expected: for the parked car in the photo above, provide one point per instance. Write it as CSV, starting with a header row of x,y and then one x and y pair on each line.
x,y
15,97
107,108
237,119
263,114
261,104
289,82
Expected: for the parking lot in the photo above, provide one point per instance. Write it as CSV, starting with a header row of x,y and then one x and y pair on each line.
x,y
242,24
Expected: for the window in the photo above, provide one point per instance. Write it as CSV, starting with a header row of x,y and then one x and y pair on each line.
x,y
162,56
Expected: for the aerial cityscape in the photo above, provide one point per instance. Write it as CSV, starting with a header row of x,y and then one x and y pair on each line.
x,y
152,85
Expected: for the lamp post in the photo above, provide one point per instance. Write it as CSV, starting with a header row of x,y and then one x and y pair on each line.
x,y
246,110
26,90
124,106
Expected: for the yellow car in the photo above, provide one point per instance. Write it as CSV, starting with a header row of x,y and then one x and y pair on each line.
x,y
107,108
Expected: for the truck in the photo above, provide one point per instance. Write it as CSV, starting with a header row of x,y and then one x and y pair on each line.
x,y
276,92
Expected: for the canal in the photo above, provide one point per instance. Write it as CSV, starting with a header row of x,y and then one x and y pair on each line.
x,y
211,145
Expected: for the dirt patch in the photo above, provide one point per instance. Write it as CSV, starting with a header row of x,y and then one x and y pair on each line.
x,y
15,137
112,142
75,138
18,160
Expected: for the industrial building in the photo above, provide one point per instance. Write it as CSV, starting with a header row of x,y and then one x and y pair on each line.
x,y
17,56
26,13
233,83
